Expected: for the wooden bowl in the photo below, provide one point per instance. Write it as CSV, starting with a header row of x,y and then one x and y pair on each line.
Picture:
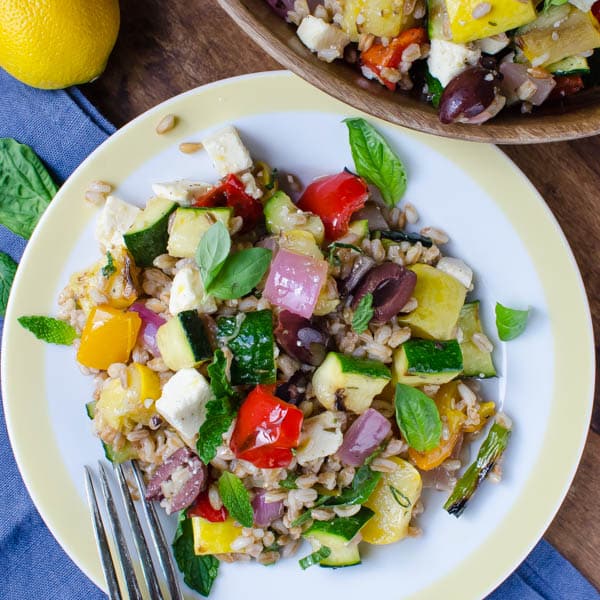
x,y
580,117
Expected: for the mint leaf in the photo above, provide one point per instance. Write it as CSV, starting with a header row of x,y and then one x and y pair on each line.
x,y
418,418
315,558
8,268
548,4
212,252
236,499
364,483
510,322
240,273
376,161
289,483
199,572
217,371
436,89
109,268
26,188
363,314
49,329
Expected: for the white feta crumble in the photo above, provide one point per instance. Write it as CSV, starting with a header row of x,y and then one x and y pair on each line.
x,y
321,436
181,191
227,152
447,59
187,292
250,186
327,40
115,219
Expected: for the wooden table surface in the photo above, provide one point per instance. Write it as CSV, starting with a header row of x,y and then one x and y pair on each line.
x,y
165,48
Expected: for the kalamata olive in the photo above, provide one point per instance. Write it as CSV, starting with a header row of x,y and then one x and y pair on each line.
x,y
362,265
468,95
294,389
300,339
391,286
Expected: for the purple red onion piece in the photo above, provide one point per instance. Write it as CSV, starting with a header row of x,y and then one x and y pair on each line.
x,y
363,437
372,213
265,512
150,324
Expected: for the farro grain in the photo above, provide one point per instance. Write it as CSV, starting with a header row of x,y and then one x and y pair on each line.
x,y
482,342
322,514
383,465
346,511
268,558
327,480
437,235
95,198
306,481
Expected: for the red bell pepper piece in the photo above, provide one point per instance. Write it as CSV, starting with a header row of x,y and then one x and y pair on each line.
x,y
335,198
379,57
232,193
266,429
566,85
203,508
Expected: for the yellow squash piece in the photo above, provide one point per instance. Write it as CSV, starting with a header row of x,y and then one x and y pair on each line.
x,y
382,18
214,538
445,400
122,407
466,24
108,337
393,501
118,278
300,242
486,410
440,298
577,32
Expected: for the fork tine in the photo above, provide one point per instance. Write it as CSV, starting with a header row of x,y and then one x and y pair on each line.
x,y
108,566
138,536
158,537
126,565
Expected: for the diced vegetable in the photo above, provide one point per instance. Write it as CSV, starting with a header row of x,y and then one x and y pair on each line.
x,y
301,242
188,227
419,362
439,300
108,337
476,362
445,399
572,65
183,341
335,198
266,429
363,437
281,214
490,452
382,18
265,512
214,537
294,282
322,436
150,324
203,508
328,299
120,279
339,535
251,343
357,232
348,382
147,237
393,501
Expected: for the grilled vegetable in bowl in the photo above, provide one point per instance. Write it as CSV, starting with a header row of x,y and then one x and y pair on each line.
x,y
296,380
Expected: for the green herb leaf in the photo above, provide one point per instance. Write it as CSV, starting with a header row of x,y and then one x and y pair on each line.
x,y
332,249
418,418
289,483
510,322
217,371
397,235
109,268
272,180
212,252
402,499
49,329
376,161
8,268
548,4
364,483
436,89
240,273
315,558
199,572
363,314
26,188
236,499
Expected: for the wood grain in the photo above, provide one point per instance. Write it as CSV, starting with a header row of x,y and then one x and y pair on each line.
x,y
165,48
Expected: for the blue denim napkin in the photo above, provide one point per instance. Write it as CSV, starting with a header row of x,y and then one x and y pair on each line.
x,y
63,128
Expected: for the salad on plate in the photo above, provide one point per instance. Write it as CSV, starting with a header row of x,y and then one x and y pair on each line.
x,y
285,363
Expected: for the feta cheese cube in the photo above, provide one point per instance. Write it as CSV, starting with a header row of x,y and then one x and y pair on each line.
x,y
115,219
226,150
583,5
321,437
181,191
327,40
447,59
250,186
187,292
493,44
183,402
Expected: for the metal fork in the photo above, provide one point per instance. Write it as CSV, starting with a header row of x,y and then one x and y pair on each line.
x,y
134,592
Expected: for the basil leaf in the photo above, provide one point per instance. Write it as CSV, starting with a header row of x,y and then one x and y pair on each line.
x,y
376,161
8,268
363,314
236,499
315,558
49,329
364,483
212,252
436,89
109,268
199,572
418,418
26,188
240,273
510,322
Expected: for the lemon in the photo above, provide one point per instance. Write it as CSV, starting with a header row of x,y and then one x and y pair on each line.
x,y
53,44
